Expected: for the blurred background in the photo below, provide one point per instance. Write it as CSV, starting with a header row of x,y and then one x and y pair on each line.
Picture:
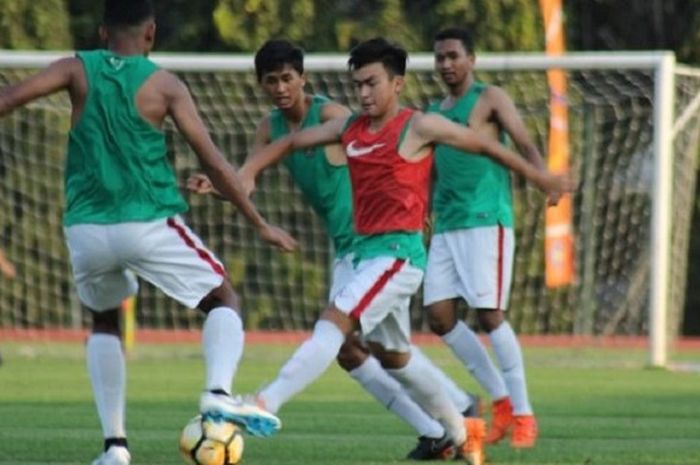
x,y
610,127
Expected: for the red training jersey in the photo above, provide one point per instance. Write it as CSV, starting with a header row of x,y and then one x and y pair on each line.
x,y
389,192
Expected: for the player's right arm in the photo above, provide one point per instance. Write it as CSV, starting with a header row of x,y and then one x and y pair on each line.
x,y
223,176
57,76
436,129
324,134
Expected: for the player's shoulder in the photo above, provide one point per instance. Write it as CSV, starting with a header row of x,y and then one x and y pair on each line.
x,y
332,110
71,63
421,118
424,123
168,83
494,93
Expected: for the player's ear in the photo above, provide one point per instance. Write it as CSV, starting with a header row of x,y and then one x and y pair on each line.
x,y
399,82
150,33
104,34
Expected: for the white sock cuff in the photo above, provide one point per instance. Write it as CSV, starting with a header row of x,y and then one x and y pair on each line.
x,y
326,332
226,313
366,371
456,333
503,330
103,339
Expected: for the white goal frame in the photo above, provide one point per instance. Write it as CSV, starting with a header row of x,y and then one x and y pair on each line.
x,y
663,64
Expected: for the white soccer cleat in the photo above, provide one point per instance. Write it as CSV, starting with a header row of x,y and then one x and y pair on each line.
x,y
115,455
253,418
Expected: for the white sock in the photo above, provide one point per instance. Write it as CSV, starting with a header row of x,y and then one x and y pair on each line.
x,y
458,397
107,370
417,377
510,357
468,348
222,344
391,395
309,361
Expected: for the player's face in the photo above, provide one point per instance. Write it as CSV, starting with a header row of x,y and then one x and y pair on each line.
x,y
452,61
285,86
376,90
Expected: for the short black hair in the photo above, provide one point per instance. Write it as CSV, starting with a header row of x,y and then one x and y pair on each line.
x,y
127,13
275,54
379,50
457,33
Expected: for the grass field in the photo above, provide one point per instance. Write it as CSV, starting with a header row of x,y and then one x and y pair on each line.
x,y
595,407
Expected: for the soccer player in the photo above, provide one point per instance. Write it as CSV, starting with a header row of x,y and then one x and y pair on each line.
x,y
471,251
389,152
123,212
322,176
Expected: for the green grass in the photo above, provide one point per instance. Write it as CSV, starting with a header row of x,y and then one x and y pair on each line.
x,y
595,407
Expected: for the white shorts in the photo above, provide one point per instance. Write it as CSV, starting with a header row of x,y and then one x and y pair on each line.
x,y
164,252
475,264
378,295
343,272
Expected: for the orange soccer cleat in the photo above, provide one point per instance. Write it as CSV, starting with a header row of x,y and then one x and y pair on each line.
x,y
473,448
501,420
524,432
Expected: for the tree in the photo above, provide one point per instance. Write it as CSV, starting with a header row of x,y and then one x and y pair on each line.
x,y
34,25
639,25
244,25
497,26
183,25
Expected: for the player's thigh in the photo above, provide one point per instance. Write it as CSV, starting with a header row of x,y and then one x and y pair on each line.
x,y
101,278
175,260
441,278
484,263
381,289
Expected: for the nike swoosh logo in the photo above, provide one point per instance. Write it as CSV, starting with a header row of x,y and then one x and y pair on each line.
x,y
353,151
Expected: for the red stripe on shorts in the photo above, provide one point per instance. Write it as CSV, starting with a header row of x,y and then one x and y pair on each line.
x,y
202,253
375,289
499,282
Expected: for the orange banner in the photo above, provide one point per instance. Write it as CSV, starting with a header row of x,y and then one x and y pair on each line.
x,y
559,234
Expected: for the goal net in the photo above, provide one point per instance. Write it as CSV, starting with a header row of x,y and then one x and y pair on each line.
x,y
633,130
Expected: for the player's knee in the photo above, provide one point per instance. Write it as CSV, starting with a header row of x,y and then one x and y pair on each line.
x,y
222,296
440,321
389,359
490,319
106,322
352,355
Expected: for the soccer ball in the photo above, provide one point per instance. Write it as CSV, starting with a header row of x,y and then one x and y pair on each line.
x,y
211,441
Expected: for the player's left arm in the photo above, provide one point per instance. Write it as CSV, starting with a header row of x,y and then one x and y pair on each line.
x,y
57,76
435,128
324,134
508,117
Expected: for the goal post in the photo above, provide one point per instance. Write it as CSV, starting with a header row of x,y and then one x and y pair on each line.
x,y
634,122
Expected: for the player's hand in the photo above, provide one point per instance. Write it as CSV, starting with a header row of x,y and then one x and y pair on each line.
x,y
277,237
8,269
200,184
247,181
556,186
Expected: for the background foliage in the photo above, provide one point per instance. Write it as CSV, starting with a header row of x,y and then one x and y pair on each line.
x,y
498,25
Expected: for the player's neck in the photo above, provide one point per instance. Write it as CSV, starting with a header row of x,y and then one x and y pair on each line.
x,y
125,47
296,113
457,91
377,122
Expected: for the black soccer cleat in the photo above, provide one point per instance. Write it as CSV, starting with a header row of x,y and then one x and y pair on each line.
x,y
433,449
